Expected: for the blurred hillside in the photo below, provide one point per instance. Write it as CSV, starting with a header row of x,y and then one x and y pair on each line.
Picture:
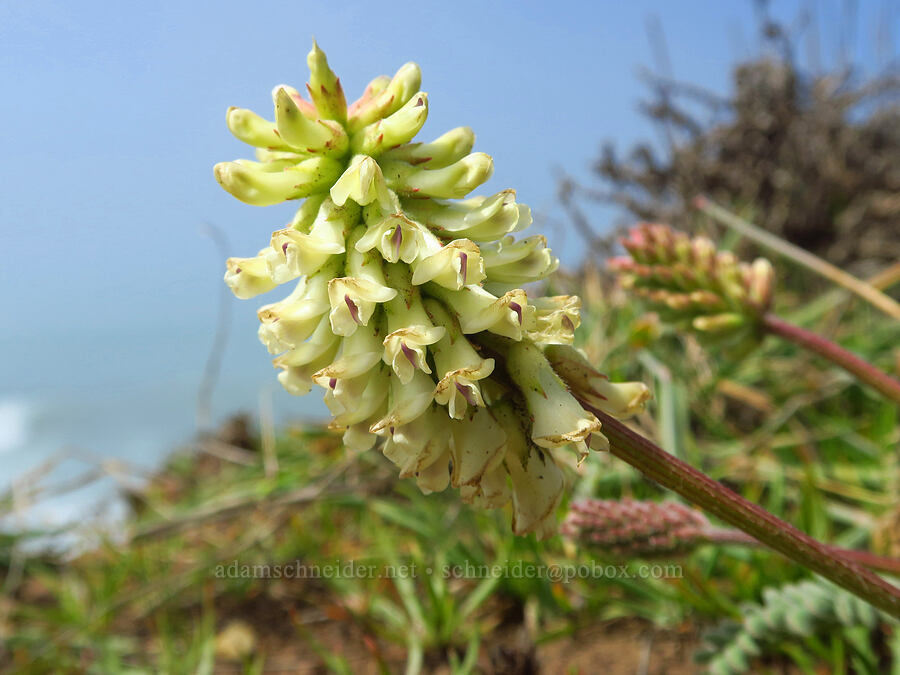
x,y
808,154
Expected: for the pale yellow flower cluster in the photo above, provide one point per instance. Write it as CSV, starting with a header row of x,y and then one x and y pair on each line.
x,y
407,306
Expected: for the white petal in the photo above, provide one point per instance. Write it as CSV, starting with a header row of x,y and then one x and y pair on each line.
x,y
455,265
353,301
478,445
249,277
404,349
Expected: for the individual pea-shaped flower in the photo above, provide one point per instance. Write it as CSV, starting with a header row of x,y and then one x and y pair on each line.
x,y
688,282
406,305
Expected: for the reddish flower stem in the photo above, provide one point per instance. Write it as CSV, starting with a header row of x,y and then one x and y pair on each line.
x,y
873,561
862,370
700,489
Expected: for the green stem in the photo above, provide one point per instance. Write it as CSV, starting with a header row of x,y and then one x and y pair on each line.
x,y
730,507
862,370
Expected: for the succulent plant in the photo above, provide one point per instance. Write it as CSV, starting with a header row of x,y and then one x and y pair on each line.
x,y
407,306
688,282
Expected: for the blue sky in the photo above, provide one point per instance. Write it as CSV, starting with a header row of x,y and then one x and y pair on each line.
x,y
114,114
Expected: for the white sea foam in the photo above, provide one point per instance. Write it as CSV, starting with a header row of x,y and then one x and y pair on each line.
x,y
15,418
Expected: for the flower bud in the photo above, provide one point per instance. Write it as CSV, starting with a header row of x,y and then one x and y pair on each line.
x,y
719,323
477,310
619,399
537,482
477,446
307,108
688,282
478,218
511,262
557,418
393,130
288,322
249,277
453,266
452,182
442,151
414,447
252,129
761,278
325,88
375,87
311,136
250,183
399,90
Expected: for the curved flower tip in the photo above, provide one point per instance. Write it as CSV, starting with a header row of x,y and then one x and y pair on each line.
x,y
414,447
294,253
311,136
252,129
254,184
354,400
477,446
443,151
287,323
297,380
451,182
249,277
453,266
393,130
384,97
324,87
477,310
476,218
407,401
511,262
619,399
321,341
537,482
558,418
359,354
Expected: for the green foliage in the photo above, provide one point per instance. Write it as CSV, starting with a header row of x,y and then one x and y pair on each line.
x,y
802,440
809,614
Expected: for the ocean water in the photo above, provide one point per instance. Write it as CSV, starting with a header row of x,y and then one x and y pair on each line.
x,y
122,401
